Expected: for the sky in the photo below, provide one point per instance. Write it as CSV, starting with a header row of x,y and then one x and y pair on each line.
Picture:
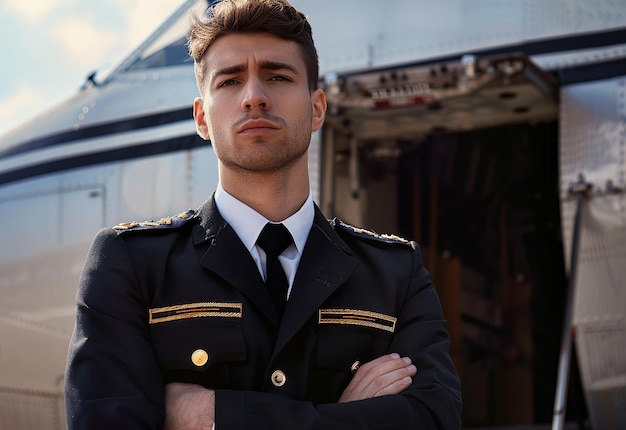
x,y
49,47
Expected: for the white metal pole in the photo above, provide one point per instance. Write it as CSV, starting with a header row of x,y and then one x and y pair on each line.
x,y
580,189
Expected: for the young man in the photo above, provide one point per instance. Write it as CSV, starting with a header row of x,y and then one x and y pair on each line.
x,y
178,325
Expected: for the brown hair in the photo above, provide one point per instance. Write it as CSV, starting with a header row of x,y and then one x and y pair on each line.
x,y
276,17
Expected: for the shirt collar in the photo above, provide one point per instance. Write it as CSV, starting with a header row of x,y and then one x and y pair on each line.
x,y
248,223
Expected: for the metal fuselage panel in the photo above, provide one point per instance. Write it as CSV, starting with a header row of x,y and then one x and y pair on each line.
x,y
593,143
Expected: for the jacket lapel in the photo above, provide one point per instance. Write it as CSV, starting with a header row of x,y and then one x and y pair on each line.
x,y
326,263
221,251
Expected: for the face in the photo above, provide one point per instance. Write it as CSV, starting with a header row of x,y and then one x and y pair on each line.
x,y
256,107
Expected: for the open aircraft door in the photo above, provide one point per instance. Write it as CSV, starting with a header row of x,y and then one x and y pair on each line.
x,y
593,148
474,158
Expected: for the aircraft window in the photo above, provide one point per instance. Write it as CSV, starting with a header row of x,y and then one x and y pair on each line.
x,y
171,55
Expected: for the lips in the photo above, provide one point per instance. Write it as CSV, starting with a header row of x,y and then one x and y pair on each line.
x,y
256,125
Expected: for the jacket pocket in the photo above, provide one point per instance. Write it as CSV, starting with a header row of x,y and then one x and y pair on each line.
x,y
197,344
351,337
344,348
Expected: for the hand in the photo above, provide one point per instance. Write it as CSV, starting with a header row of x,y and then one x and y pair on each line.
x,y
189,407
389,374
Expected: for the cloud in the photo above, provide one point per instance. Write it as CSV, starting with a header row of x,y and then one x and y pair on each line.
x,y
85,41
35,10
19,104
144,16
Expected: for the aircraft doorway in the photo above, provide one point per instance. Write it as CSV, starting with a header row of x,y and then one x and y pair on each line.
x,y
484,207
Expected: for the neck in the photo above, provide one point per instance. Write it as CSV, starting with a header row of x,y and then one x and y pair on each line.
x,y
275,195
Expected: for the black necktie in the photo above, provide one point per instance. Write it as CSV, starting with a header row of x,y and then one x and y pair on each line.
x,y
274,239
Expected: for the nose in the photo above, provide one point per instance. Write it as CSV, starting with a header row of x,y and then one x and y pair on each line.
x,y
255,96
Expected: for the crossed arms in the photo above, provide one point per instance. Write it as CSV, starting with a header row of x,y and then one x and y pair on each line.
x,y
191,406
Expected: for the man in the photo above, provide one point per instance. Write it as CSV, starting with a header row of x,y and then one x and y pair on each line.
x,y
177,324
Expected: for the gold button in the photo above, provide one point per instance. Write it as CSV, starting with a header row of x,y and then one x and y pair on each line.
x,y
199,357
279,378
355,366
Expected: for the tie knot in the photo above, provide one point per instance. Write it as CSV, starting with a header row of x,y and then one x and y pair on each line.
x,y
274,238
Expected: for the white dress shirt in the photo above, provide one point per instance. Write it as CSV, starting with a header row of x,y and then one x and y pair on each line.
x,y
248,224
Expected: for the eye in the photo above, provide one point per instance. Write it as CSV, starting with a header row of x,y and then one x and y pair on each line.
x,y
280,78
227,83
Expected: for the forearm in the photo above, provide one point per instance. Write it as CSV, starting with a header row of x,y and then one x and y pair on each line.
x,y
189,406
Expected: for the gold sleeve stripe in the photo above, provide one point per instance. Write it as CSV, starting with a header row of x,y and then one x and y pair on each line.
x,y
358,317
195,310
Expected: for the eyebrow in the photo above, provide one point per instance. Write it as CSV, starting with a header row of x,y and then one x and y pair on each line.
x,y
276,65
263,65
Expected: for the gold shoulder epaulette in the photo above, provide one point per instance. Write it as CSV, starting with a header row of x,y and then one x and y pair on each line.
x,y
167,222
371,235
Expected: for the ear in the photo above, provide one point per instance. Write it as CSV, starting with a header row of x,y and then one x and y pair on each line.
x,y
200,119
318,99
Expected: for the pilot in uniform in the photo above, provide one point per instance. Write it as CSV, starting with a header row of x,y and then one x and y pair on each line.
x,y
183,300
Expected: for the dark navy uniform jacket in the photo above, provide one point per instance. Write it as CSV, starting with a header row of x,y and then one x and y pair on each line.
x,y
182,300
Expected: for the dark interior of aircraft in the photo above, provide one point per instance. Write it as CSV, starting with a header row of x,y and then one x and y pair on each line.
x,y
484,207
